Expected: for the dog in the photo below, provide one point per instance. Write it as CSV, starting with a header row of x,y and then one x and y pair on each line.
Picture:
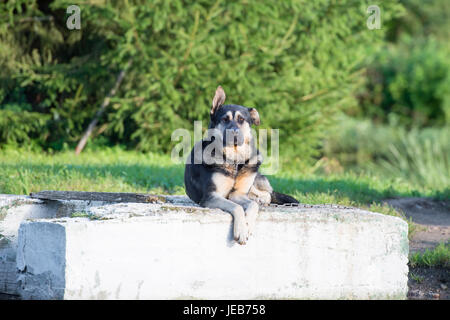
x,y
222,170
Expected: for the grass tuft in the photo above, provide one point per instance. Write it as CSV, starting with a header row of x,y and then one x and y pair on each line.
x,y
438,257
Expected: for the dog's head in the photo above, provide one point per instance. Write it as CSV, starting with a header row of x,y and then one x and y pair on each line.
x,y
233,121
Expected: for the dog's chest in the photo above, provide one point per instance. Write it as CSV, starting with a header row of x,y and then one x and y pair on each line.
x,y
234,178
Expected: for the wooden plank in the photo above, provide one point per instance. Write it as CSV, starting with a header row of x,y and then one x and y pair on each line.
x,y
98,196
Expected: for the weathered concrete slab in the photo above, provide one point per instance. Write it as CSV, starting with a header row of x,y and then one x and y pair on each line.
x,y
173,250
14,210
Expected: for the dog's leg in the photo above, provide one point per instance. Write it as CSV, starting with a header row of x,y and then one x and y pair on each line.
x,y
261,190
251,209
240,228
239,194
262,197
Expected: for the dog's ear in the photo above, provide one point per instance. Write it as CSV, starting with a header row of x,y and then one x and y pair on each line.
x,y
219,99
254,115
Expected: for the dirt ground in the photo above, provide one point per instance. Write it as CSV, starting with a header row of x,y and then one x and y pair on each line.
x,y
433,218
429,284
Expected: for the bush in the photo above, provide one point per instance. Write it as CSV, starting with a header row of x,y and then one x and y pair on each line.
x,y
409,84
296,61
422,19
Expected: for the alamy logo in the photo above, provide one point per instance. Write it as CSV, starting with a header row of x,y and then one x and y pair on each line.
x,y
213,153
74,20
374,20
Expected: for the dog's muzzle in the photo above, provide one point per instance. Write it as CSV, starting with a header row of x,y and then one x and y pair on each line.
x,y
233,137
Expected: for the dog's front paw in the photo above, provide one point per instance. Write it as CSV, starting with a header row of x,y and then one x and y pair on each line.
x,y
251,223
263,198
241,231
250,216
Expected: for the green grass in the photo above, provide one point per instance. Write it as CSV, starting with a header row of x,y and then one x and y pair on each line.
x,y
438,257
116,170
22,172
421,161
417,278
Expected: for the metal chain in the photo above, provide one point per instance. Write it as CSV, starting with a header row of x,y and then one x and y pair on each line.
x,y
296,205
284,205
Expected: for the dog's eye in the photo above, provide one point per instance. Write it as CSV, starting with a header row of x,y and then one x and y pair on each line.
x,y
241,120
226,119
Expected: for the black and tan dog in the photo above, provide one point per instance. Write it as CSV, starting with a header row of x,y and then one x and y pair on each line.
x,y
222,170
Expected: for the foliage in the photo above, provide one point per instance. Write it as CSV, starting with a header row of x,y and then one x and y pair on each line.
x,y
21,126
409,84
422,19
408,81
296,61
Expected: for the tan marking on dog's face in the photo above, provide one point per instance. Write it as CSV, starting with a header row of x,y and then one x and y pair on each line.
x,y
223,183
243,182
237,153
246,131
221,125
240,154
228,115
243,125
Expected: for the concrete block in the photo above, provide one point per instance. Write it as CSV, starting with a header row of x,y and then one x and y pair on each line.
x,y
177,250
17,208
13,210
